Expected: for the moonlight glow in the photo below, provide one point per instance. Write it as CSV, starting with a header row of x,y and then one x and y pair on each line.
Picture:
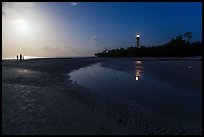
x,y
21,25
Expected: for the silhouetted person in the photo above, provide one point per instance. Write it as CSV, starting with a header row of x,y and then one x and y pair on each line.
x,y
17,57
20,57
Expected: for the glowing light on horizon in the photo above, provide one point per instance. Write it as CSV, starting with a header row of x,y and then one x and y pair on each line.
x,y
138,35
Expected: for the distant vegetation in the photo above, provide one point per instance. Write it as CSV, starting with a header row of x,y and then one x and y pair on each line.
x,y
181,46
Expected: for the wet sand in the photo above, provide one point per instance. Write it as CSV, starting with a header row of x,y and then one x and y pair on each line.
x,y
39,98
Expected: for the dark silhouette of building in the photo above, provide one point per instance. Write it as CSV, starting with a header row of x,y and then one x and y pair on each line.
x,y
138,40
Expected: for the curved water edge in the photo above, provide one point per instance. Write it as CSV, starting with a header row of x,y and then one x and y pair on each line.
x,y
167,87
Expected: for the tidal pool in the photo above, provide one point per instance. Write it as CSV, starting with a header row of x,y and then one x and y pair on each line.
x,y
169,87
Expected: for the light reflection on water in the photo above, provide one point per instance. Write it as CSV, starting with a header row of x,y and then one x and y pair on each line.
x,y
137,85
138,71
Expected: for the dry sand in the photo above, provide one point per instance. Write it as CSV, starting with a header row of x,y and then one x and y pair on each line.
x,y
39,98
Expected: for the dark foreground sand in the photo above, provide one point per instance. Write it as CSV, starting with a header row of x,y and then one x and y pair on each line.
x,y
39,98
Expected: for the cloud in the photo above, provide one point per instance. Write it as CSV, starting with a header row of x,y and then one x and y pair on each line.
x,y
16,10
94,38
94,45
73,3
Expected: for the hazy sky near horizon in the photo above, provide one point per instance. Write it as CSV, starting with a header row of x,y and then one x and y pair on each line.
x,y
61,29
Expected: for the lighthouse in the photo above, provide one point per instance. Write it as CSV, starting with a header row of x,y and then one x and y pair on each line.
x,y
138,41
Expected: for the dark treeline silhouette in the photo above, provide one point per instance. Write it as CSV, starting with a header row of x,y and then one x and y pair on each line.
x,y
178,47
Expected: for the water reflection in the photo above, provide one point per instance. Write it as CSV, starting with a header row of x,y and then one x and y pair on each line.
x,y
127,81
138,70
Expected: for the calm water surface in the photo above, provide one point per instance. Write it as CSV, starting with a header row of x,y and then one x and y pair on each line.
x,y
168,87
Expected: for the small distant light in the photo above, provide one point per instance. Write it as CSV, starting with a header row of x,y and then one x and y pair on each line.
x,y
189,67
138,35
137,78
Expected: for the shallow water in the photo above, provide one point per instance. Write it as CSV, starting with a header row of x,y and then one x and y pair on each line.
x,y
169,87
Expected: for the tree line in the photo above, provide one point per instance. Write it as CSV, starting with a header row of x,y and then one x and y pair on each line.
x,y
181,46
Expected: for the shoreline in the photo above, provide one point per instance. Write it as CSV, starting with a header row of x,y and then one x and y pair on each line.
x,y
140,58
157,58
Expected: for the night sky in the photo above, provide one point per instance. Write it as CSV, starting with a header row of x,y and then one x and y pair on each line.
x,y
82,29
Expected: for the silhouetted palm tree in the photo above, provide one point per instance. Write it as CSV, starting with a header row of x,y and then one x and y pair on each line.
x,y
188,36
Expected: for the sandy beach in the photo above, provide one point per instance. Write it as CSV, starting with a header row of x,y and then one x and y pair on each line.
x,y
39,98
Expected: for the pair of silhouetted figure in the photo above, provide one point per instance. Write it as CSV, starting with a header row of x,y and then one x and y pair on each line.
x,y
20,57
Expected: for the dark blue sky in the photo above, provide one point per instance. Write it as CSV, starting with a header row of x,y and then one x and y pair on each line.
x,y
88,27
156,22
